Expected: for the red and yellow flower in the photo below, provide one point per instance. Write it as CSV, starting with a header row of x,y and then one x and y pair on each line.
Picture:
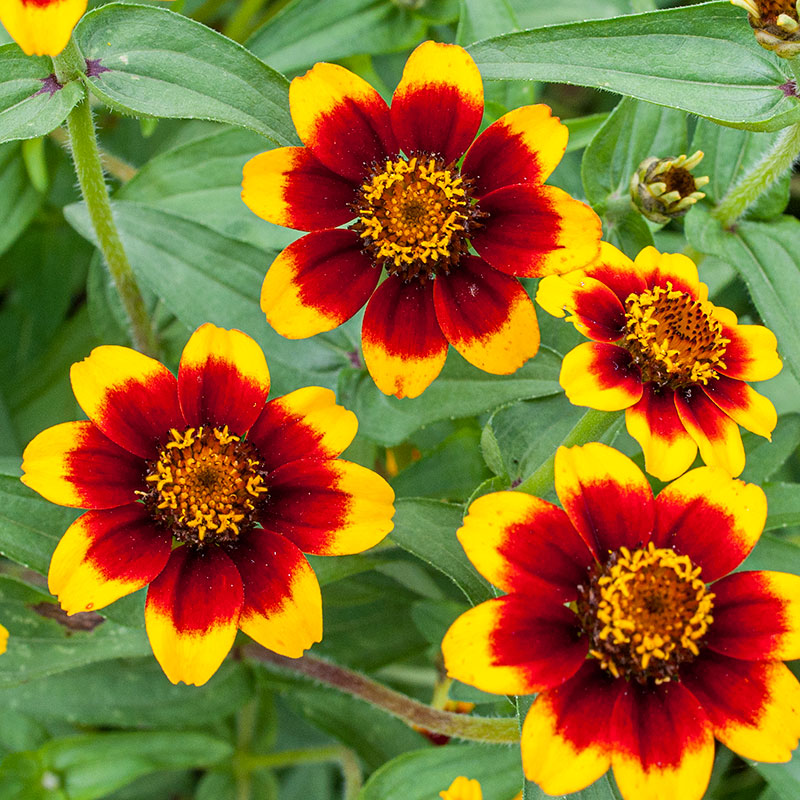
x,y
678,364
417,208
620,609
201,488
41,27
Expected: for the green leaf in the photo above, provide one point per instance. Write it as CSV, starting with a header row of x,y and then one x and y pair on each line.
x,y
702,59
130,692
39,646
203,276
527,433
427,529
784,779
602,789
307,31
583,129
19,201
460,391
25,113
201,180
765,458
767,257
729,155
166,65
774,552
90,766
633,132
423,774
783,504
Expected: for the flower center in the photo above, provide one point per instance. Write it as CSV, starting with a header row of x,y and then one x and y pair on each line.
x,y
770,10
206,483
645,613
673,337
414,216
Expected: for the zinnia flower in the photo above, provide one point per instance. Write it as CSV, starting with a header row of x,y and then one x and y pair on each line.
x,y
396,172
620,611
661,350
462,789
207,492
41,27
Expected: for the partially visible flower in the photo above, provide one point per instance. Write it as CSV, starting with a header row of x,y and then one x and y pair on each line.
x,y
621,613
678,364
3,639
462,789
776,24
207,492
664,188
398,172
41,27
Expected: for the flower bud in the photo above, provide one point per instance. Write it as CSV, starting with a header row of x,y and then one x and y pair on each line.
x,y
776,24
664,188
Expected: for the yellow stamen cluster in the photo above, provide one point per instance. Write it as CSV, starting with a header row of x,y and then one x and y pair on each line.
x,y
205,482
414,216
674,338
646,612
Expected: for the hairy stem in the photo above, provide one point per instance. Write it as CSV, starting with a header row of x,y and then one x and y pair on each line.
x,y
69,65
761,177
589,428
415,714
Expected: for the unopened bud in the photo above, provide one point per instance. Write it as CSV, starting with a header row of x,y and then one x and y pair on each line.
x,y
776,24
664,188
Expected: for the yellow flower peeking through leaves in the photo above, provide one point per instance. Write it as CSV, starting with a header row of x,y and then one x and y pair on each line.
x,y
202,489
419,193
462,789
678,364
3,639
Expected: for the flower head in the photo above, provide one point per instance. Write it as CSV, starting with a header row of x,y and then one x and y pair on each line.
x,y
207,492
462,789
621,614
664,188
661,350
776,24
416,208
41,27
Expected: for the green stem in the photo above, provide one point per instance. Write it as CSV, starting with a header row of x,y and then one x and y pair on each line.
x,y
415,714
238,26
769,169
343,756
589,428
69,66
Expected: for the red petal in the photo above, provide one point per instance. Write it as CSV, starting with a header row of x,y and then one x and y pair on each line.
x,y
712,518
519,542
601,376
751,353
757,616
606,497
613,268
288,186
754,706
438,104
105,555
341,119
317,283
328,507
404,348
132,398
517,644
523,146
192,612
534,230
282,607
74,464
668,449
487,316
564,748
306,423
223,379
663,745
715,433
745,406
